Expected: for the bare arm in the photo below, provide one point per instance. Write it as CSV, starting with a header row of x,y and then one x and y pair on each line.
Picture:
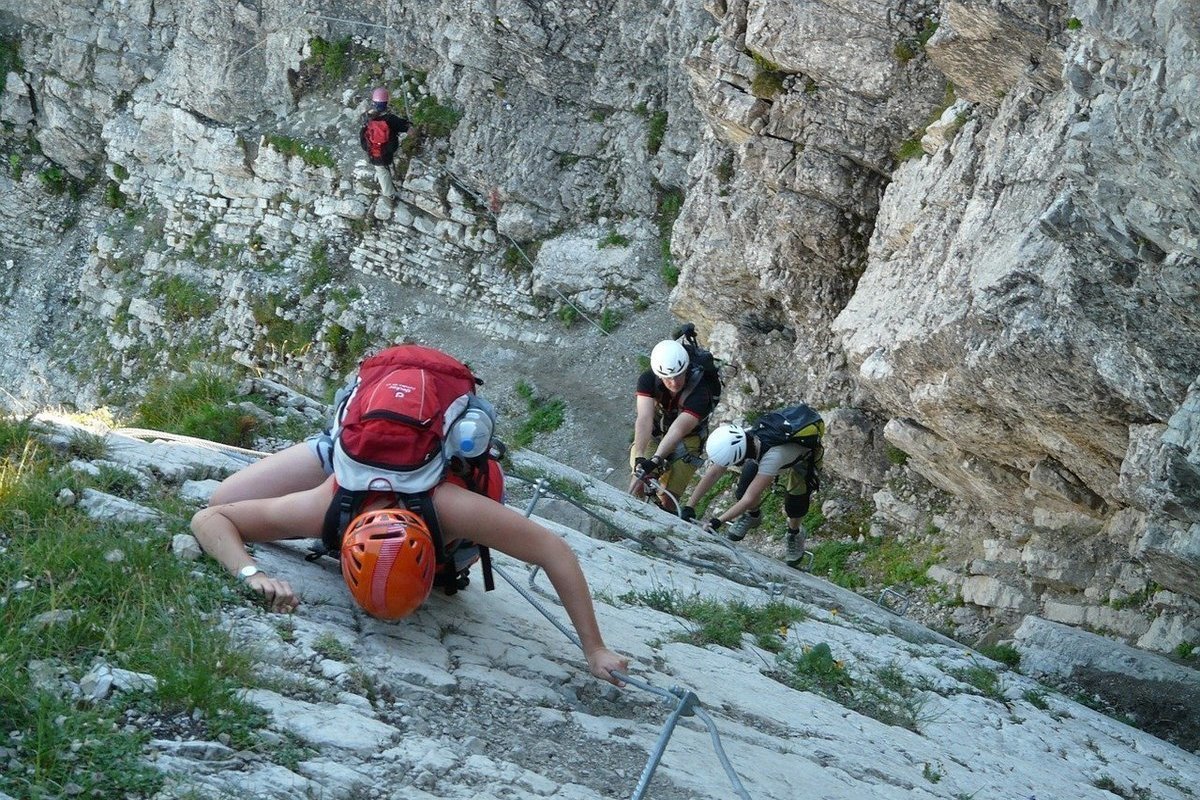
x,y
224,530
471,516
643,431
711,475
683,425
750,499
643,426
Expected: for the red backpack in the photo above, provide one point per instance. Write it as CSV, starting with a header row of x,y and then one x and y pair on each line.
x,y
377,137
389,436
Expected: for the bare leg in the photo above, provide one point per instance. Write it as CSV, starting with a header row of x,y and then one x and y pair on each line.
x,y
292,470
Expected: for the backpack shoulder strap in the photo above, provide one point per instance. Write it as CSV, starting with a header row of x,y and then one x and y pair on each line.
x,y
448,576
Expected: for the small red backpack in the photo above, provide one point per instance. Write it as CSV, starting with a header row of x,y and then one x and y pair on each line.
x,y
390,436
377,137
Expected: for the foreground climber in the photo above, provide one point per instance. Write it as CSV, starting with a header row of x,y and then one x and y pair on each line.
x,y
673,400
782,443
380,138
294,494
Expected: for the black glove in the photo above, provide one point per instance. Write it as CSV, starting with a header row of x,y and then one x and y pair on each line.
x,y
687,513
648,467
714,524
812,482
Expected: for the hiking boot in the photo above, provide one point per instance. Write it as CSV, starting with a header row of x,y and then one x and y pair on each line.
x,y
793,552
741,526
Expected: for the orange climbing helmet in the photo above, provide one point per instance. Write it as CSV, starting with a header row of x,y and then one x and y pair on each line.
x,y
388,562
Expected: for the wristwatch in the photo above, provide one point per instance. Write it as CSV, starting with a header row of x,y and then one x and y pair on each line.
x,y
249,571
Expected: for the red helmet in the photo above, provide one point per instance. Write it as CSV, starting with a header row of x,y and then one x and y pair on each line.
x,y
380,95
388,562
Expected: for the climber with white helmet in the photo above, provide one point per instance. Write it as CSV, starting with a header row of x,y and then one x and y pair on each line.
x,y
380,138
673,400
783,443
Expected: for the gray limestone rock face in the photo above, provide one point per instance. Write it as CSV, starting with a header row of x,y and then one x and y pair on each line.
x,y
977,244
986,50
1147,686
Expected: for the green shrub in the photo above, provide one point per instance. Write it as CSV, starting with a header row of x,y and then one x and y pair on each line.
x,y
657,131
722,623
155,618
54,180
184,299
568,314
928,29
313,155
332,58
814,669
15,166
670,201
724,170
910,148
831,560
434,119
1004,653
1074,24
197,405
10,55
330,646
613,239
767,85
888,562
544,415
981,678
113,197
609,320
320,272
347,349
669,273
514,261
895,455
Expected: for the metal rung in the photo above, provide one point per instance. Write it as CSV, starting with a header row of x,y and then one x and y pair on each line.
x,y
904,601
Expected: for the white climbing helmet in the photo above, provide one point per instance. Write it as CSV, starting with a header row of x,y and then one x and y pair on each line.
x,y
726,445
668,359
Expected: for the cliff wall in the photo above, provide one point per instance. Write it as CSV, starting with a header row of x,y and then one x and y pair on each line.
x,y
966,230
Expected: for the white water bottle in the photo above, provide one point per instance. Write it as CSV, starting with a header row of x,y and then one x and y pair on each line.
x,y
472,433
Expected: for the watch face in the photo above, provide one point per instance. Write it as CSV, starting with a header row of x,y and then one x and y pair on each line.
x,y
248,571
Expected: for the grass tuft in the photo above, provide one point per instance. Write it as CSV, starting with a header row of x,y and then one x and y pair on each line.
x,y
545,415
156,618
198,405
723,623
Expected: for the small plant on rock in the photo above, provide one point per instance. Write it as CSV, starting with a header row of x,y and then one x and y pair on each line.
x,y
544,415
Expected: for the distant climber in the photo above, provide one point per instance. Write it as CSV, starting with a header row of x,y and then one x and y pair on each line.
x,y
673,400
380,137
783,443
